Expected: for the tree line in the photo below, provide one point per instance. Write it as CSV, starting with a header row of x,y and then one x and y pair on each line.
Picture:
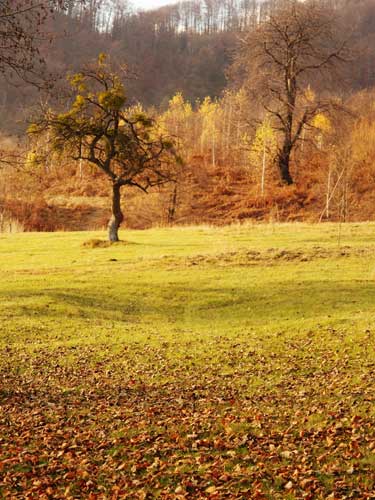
x,y
185,47
286,116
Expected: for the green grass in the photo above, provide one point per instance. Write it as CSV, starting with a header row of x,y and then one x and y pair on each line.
x,y
255,340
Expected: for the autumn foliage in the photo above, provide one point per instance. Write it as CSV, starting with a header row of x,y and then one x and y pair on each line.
x,y
228,140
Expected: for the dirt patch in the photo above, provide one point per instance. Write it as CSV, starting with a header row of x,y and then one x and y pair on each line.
x,y
273,256
95,243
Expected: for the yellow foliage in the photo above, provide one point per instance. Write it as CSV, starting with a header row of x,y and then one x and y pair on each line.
x,y
178,105
176,121
102,58
210,112
75,79
264,142
322,122
175,118
112,99
33,160
79,101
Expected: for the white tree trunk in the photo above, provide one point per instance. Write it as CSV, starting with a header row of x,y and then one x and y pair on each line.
x,y
263,170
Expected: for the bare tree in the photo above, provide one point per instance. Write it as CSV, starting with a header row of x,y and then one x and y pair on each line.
x,y
295,46
22,24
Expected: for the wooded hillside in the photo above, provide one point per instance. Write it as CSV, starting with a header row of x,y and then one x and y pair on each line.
x,y
181,62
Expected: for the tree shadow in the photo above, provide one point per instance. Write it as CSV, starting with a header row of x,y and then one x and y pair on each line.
x,y
195,304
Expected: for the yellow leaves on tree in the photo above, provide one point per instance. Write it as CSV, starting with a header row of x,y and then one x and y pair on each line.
x,y
176,121
210,113
112,99
263,150
322,124
33,160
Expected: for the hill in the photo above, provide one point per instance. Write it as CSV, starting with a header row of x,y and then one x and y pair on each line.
x,y
184,47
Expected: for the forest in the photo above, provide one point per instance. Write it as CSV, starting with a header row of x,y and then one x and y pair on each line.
x,y
191,67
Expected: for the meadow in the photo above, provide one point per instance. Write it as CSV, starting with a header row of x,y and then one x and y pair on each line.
x,y
196,362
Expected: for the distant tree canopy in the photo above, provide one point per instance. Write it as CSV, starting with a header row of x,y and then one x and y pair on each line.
x,y
124,143
183,47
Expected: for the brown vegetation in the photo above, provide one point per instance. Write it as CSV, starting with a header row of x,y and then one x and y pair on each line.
x,y
230,145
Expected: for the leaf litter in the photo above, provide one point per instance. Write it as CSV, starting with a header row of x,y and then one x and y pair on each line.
x,y
141,421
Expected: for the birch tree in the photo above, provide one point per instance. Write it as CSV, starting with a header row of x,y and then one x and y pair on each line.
x,y
210,113
263,150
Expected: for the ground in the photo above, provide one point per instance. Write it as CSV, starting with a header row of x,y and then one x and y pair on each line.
x,y
193,363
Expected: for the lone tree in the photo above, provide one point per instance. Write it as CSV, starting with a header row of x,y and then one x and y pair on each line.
x,y
100,129
298,45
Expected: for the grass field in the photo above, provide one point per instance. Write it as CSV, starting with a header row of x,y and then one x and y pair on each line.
x,y
234,362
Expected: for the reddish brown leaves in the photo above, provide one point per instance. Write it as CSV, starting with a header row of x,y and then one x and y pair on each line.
x,y
142,424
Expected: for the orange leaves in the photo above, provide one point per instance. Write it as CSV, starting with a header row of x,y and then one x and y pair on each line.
x,y
109,435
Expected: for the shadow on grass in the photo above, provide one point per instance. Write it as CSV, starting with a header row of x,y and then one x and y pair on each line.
x,y
178,303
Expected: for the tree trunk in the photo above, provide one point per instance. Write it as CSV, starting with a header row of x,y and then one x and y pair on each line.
x,y
213,150
263,169
328,195
117,216
283,163
173,205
